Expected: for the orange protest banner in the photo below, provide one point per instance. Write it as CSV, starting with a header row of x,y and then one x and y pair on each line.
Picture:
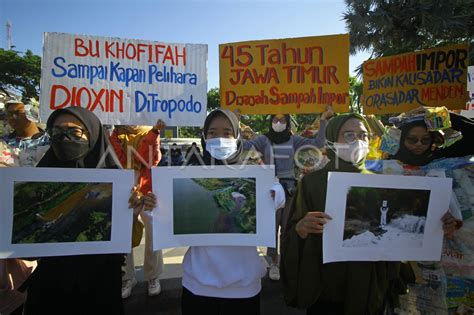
x,y
432,77
294,75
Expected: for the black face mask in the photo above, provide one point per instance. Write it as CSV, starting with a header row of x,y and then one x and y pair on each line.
x,y
70,150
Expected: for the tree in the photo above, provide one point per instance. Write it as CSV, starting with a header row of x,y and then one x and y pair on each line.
x,y
21,72
389,27
213,102
355,93
213,99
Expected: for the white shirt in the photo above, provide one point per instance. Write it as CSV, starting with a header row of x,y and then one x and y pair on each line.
x,y
223,271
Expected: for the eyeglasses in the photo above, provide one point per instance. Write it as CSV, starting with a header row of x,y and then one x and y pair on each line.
x,y
351,136
15,113
72,133
415,140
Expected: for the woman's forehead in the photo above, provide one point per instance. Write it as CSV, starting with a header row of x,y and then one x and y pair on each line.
x,y
68,120
353,124
220,121
279,116
418,130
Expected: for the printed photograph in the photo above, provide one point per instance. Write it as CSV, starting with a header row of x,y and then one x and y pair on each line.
x,y
385,217
214,205
52,212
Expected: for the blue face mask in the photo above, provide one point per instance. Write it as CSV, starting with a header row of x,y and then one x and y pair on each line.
x,y
221,148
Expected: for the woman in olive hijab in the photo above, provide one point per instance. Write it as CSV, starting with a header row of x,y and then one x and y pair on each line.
x,y
334,288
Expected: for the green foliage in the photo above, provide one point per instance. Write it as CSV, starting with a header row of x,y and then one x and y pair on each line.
x,y
392,27
213,102
213,99
355,93
224,200
223,188
35,193
97,217
189,132
32,198
211,183
81,237
20,71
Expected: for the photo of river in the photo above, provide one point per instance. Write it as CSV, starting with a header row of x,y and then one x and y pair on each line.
x,y
47,212
214,205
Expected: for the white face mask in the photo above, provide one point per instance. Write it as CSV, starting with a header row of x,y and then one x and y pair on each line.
x,y
278,127
352,153
221,148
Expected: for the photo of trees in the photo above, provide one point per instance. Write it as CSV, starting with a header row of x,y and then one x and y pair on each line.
x,y
47,212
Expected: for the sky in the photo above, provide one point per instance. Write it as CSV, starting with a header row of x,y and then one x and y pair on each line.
x,y
211,22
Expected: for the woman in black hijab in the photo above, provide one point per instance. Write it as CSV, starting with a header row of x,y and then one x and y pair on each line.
x,y
418,146
82,284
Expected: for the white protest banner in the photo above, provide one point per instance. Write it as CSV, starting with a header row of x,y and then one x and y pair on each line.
x,y
125,81
469,111
470,79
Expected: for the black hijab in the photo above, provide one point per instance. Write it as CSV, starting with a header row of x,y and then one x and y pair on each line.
x,y
234,158
279,137
98,142
405,156
464,146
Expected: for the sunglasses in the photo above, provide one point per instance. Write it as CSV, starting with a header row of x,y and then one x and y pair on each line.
x,y
72,133
415,140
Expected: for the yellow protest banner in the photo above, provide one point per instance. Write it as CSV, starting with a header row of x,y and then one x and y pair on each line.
x,y
432,77
294,75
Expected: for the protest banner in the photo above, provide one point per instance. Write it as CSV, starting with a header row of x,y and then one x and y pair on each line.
x,y
470,78
125,81
294,75
432,77
469,109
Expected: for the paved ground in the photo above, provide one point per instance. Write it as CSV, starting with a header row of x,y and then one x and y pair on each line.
x,y
168,302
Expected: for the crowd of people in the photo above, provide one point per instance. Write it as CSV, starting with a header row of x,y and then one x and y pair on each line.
x,y
217,279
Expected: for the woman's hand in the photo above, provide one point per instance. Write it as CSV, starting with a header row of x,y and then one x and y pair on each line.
x,y
139,201
450,225
135,198
149,201
328,113
313,222
160,124
238,114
